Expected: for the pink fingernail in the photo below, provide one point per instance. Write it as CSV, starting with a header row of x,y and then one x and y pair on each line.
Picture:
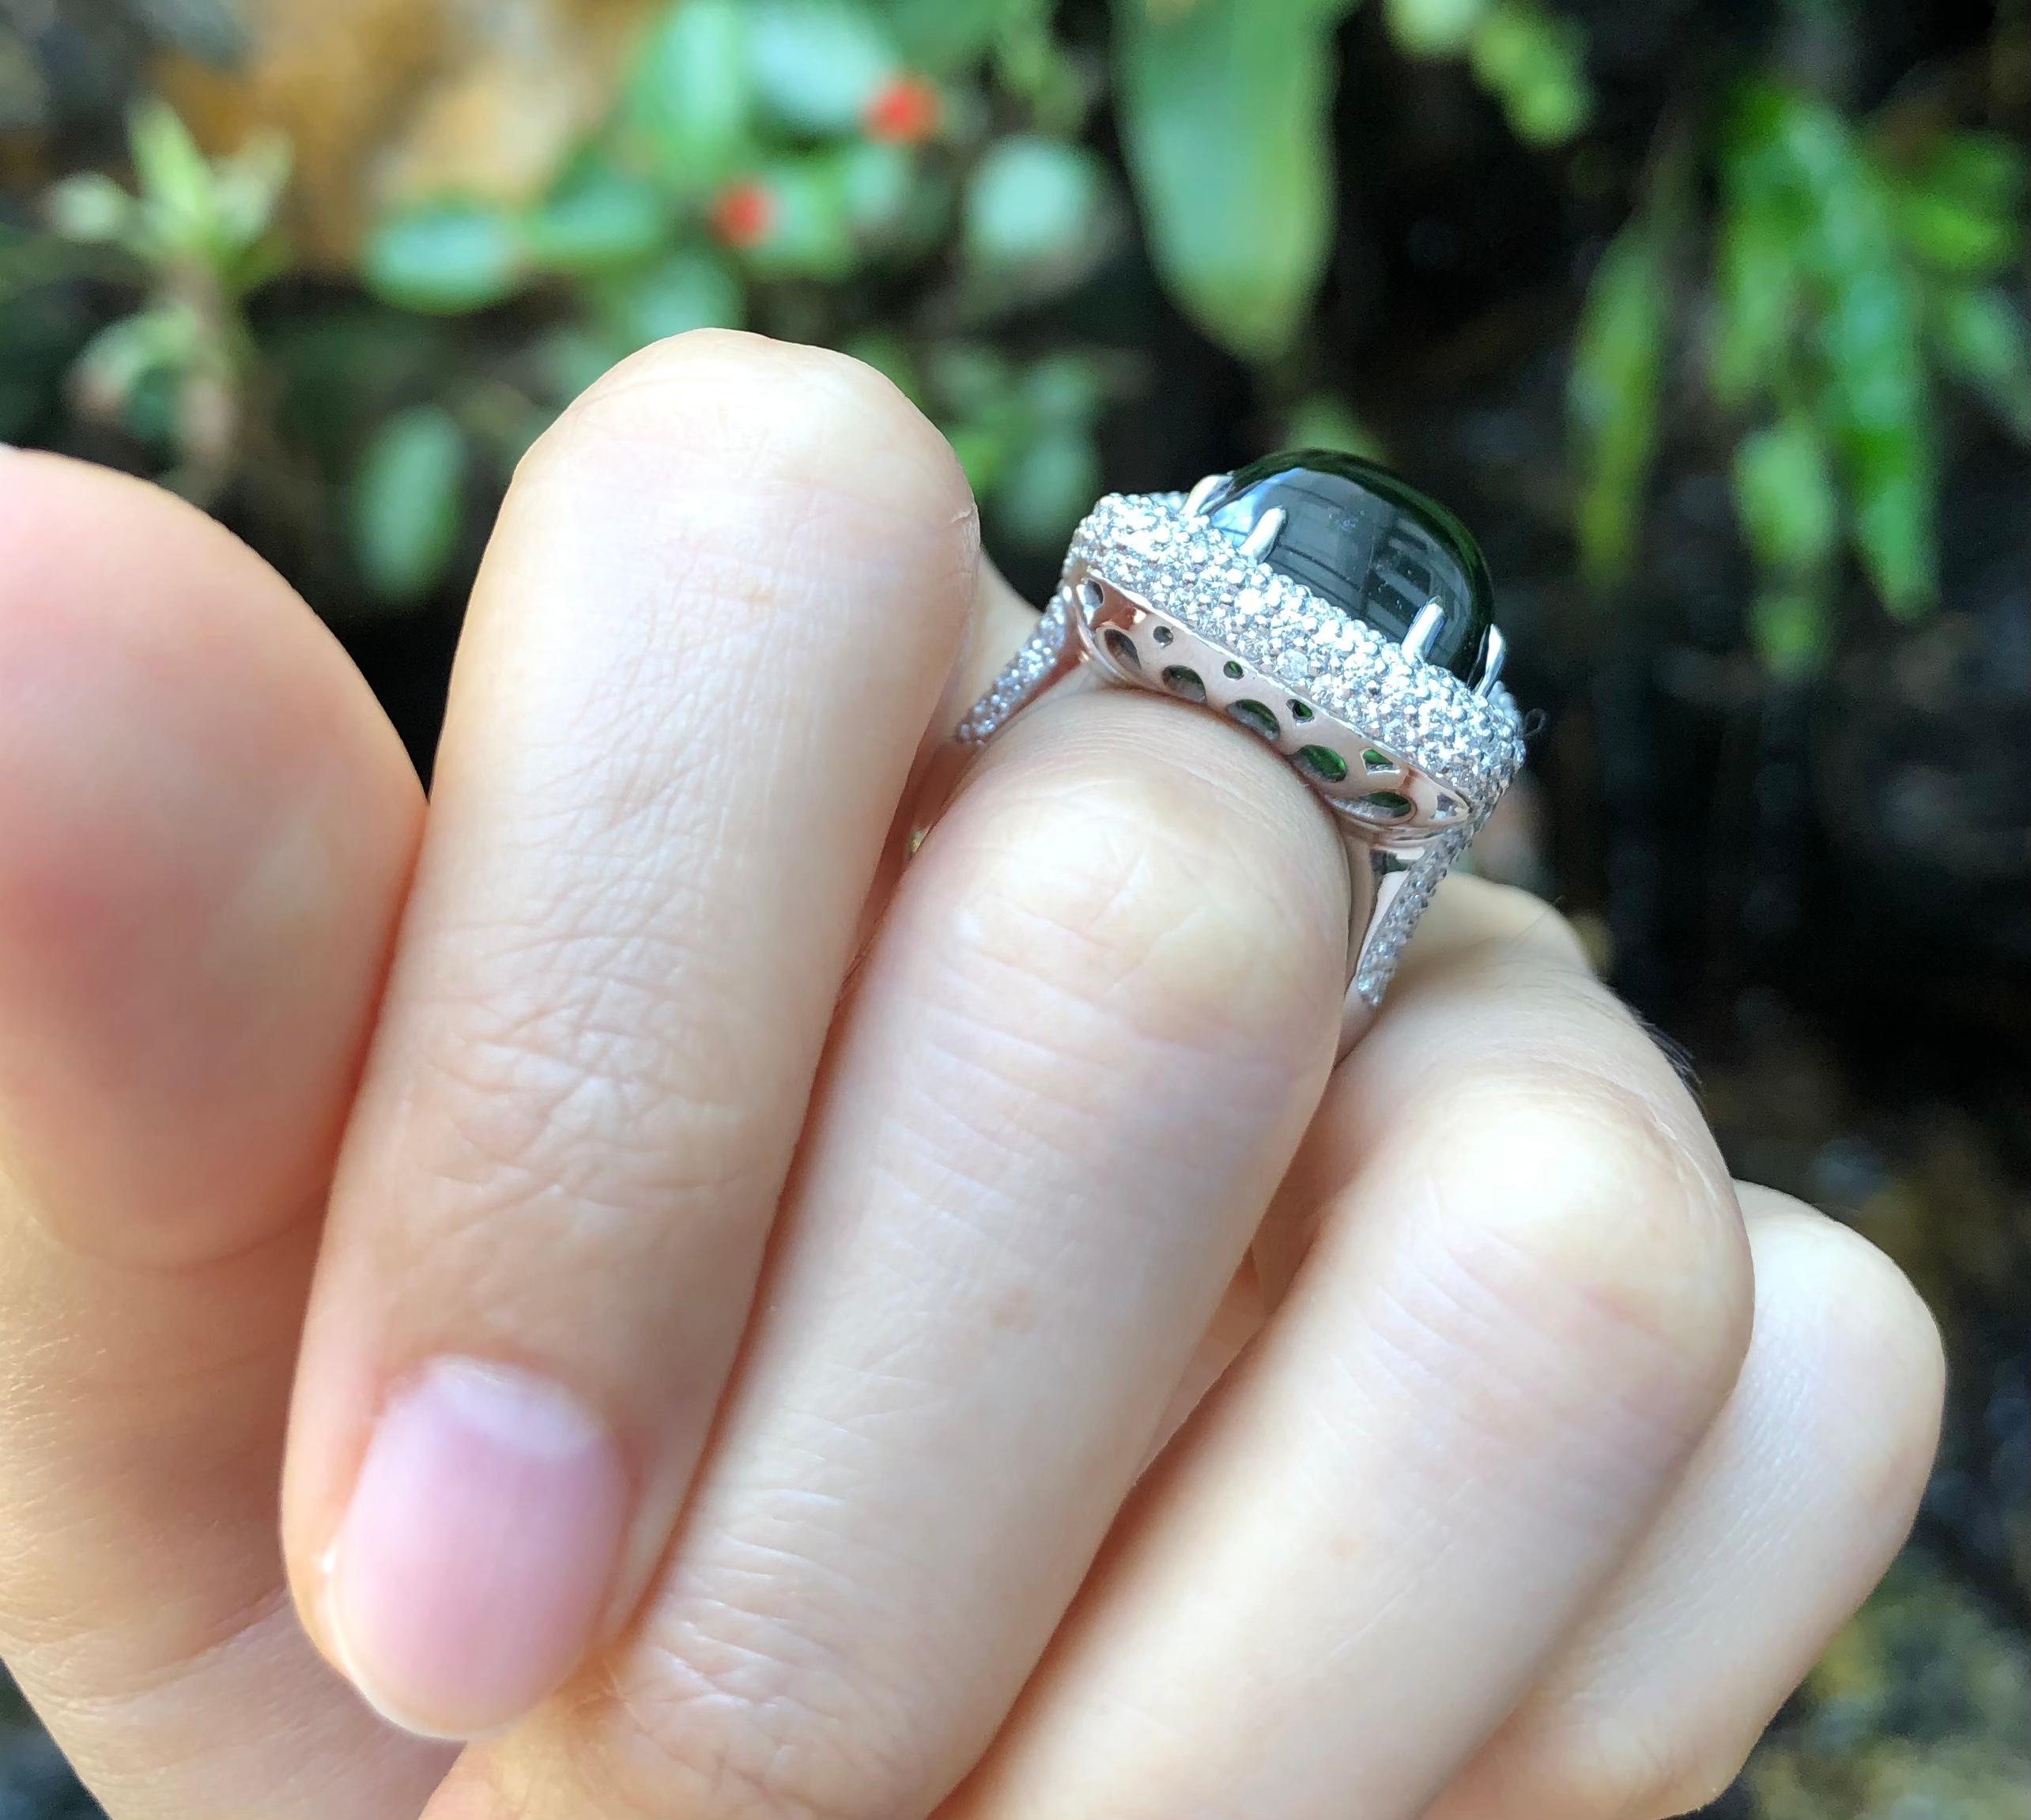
x,y
468,1576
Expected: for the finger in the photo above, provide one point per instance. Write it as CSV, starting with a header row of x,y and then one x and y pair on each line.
x,y
205,827
1468,920
1788,1514
723,598
1527,1298
1089,1037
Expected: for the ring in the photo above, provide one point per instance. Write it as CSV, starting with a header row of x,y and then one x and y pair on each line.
x,y
1334,611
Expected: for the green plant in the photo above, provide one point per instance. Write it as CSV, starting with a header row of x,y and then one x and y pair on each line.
x,y
909,179
903,179
1850,277
832,170
195,235
1225,114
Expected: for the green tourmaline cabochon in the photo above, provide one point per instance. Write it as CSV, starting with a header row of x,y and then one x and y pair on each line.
x,y
1367,542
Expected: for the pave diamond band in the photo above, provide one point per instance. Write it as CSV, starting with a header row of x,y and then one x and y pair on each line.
x,y
1160,592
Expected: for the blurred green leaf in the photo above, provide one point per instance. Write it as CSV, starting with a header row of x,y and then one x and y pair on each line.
x,y
150,411
689,95
1052,471
974,380
406,503
1962,208
1612,398
1056,85
1784,496
877,182
983,412
1536,66
1433,28
1943,230
1225,119
114,365
253,265
1048,480
1872,394
818,64
1789,627
1324,421
1031,202
943,36
175,180
1756,296
1892,480
1066,387
597,218
1878,408
444,258
984,450
1979,336
89,208
690,289
246,186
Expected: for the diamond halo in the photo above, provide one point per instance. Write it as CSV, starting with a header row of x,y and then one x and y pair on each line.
x,y
1153,553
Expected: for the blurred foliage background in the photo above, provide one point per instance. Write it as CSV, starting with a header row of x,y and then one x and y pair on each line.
x,y
1709,316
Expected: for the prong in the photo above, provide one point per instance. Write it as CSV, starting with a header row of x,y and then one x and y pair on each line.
x,y
1195,500
1261,533
1491,662
1424,628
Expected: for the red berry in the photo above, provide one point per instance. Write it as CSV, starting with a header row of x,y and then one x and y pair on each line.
x,y
742,213
906,110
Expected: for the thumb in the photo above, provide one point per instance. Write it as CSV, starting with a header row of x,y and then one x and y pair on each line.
x,y
205,825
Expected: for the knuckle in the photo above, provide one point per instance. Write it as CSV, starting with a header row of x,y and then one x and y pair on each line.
x,y
1610,1771
564,1118
1603,1220
576,1097
737,1712
1138,902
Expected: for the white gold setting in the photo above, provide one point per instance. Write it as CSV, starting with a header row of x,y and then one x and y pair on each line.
x,y
1156,598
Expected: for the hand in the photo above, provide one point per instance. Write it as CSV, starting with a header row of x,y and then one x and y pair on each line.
x,y
728,1324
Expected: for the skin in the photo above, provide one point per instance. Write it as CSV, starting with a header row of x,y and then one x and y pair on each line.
x,y
747,1330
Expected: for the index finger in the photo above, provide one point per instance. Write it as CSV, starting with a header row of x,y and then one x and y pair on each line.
x,y
718,614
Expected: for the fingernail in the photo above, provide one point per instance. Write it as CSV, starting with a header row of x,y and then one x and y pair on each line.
x,y
468,1575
